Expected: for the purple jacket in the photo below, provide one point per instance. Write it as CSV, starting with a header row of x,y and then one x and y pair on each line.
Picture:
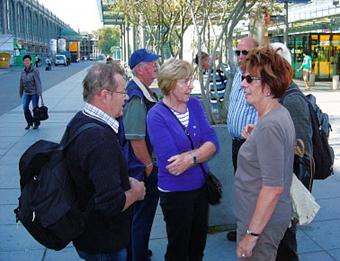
x,y
168,139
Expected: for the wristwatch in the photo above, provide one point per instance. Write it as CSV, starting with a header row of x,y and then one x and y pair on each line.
x,y
194,158
251,233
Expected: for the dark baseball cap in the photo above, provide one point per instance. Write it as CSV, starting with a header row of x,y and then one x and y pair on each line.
x,y
142,55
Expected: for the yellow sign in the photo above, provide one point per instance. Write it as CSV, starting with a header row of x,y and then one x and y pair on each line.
x,y
73,46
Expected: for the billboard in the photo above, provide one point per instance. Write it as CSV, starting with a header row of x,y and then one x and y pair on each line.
x,y
73,46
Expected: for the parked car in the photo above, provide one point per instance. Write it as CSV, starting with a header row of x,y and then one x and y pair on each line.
x,y
60,59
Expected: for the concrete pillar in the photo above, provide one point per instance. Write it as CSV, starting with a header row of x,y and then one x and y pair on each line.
x,y
335,82
221,216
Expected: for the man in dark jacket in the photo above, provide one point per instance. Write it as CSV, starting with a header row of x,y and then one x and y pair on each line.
x,y
99,170
299,111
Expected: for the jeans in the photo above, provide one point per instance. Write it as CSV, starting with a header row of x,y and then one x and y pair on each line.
x,y
26,99
186,217
120,255
143,215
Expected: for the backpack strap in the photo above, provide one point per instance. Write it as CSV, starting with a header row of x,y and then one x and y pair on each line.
x,y
65,141
291,92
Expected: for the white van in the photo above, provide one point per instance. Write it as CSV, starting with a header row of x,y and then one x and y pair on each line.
x,y
60,59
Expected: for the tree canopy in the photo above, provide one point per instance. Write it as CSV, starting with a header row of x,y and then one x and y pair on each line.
x,y
108,37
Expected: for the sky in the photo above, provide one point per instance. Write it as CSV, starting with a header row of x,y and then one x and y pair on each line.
x,y
79,14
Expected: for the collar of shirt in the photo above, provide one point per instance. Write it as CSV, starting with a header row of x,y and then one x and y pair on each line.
x,y
96,113
144,89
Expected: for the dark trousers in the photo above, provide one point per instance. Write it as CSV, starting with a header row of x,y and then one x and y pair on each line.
x,y
236,145
287,250
120,255
26,100
186,217
143,216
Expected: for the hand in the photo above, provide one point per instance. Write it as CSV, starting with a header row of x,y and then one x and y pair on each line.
x,y
247,130
245,246
137,187
179,163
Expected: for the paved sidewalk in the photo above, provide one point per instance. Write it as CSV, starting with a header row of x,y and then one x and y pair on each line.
x,y
319,241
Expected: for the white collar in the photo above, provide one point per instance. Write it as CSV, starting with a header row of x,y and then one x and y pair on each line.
x,y
144,89
96,113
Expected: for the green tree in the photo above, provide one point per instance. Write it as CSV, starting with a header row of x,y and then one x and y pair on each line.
x,y
108,37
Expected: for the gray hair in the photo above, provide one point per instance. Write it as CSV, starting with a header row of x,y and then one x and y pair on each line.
x,y
100,77
282,50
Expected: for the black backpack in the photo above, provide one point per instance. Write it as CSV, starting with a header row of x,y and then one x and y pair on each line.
x,y
48,206
323,153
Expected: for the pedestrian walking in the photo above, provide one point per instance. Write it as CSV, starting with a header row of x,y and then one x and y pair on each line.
x,y
29,91
306,68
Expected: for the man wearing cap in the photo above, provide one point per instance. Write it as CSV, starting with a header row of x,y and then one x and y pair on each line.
x,y
138,149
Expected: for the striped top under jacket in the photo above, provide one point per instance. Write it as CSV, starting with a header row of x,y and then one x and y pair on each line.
x,y
240,113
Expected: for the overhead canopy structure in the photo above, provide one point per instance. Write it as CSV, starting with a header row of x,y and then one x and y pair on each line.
x,y
107,16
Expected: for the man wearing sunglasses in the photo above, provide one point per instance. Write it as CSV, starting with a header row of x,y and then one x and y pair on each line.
x,y
140,162
240,113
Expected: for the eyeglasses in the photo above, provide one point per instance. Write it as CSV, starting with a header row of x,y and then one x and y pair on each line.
x,y
120,92
249,79
186,81
244,52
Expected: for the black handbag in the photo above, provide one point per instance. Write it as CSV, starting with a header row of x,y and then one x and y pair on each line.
x,y
214,188
213,184
40,113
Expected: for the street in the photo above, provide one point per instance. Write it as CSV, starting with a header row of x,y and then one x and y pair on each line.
x,y
9,82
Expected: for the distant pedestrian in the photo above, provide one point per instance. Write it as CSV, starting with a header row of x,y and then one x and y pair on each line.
x,y
216,77
37,61
48,64
306,68
109,60
30,90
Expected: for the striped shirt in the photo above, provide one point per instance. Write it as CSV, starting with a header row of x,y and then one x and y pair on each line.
x,y
182,117
96,113
240,113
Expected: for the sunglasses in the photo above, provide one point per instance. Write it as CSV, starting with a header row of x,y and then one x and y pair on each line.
x,y
238,52
249,79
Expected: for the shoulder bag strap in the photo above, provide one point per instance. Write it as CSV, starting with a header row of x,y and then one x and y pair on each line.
x,y
185,131
42,101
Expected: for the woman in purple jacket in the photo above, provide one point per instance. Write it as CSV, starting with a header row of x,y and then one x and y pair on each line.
x,y
181,181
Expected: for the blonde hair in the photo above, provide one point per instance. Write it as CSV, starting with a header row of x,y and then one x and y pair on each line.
x,y
172,71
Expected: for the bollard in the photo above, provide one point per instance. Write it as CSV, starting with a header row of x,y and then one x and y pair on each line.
x,y
312,79
335,82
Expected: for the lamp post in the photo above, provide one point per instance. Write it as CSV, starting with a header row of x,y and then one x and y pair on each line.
x,y
285,36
